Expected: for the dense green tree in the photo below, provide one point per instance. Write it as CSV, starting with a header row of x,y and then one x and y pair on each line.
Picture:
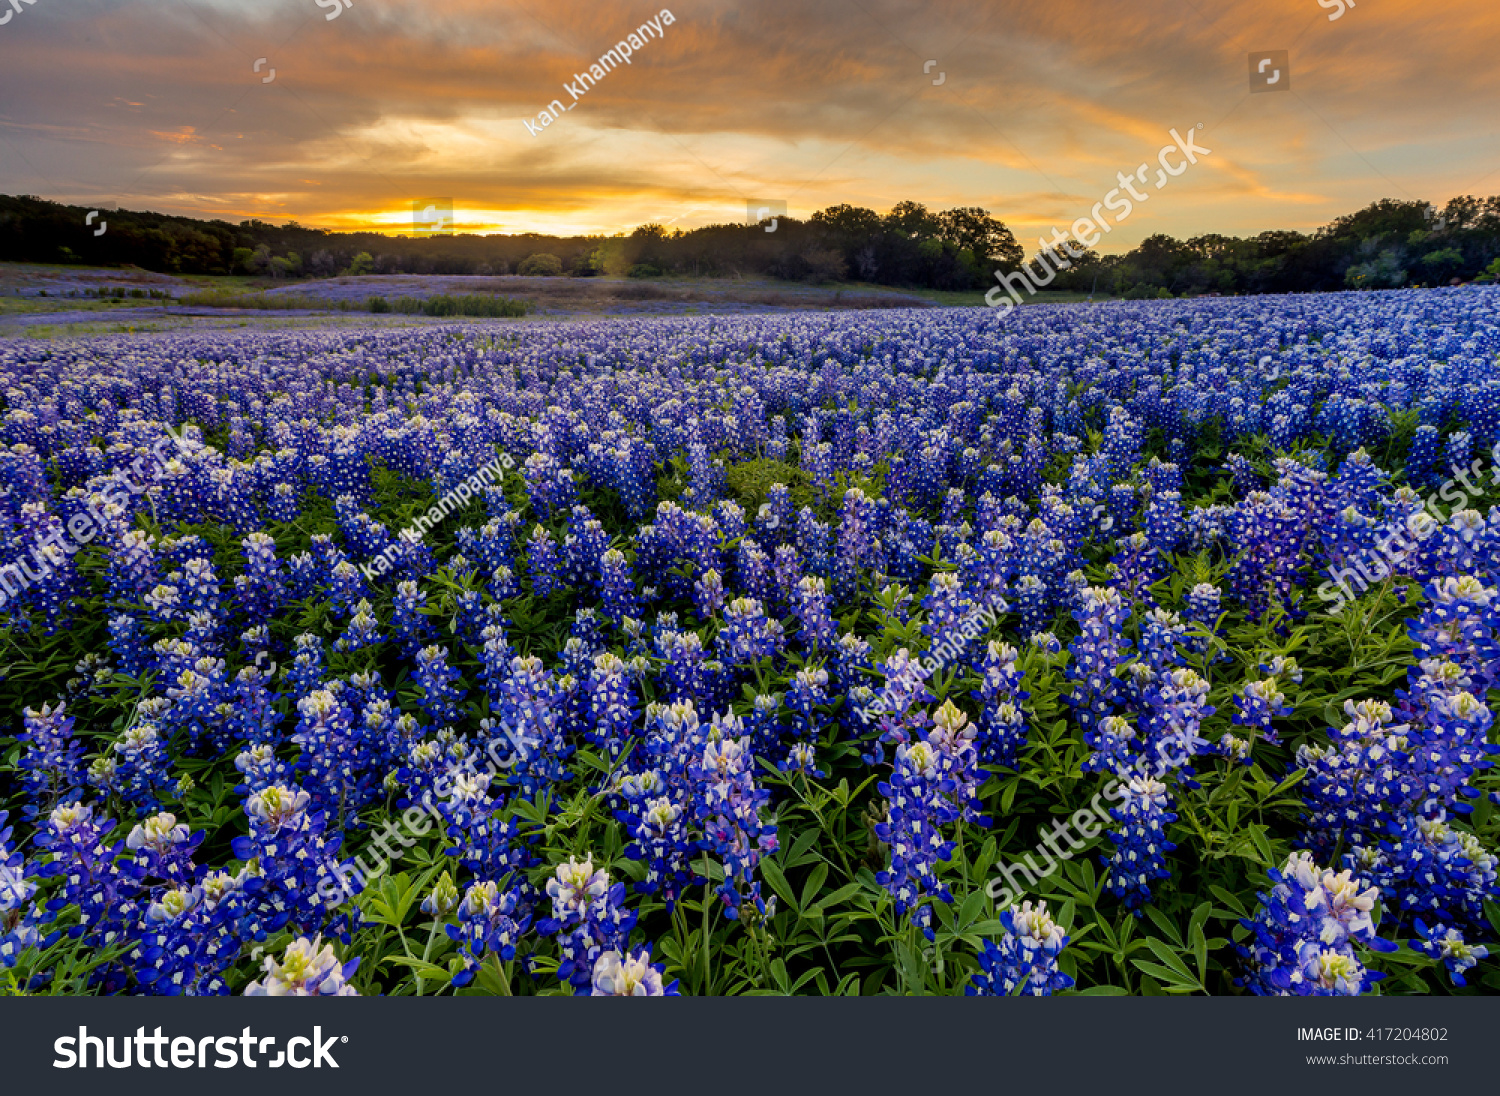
x,y
540,264
972,229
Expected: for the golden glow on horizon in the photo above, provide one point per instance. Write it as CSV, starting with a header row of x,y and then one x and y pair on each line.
x,y
1040,107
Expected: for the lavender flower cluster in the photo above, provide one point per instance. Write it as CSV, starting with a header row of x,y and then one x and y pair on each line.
x,y
725,563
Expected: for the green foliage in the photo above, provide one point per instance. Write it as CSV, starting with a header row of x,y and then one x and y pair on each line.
x,y
1383,272
441,304
445,304
261,302
834,931
540,264
749,481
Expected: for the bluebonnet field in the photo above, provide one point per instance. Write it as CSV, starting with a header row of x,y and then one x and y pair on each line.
x,y
674,703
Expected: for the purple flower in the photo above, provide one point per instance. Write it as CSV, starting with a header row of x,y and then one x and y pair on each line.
x,y
308,968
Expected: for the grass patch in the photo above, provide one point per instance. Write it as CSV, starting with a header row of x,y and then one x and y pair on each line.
x,y
749,481
448,304
443,304
264,302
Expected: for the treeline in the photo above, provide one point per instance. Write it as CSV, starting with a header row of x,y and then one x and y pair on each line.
x,y
1387,245
910,246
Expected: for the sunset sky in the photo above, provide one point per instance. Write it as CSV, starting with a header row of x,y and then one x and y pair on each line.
x,y
156,104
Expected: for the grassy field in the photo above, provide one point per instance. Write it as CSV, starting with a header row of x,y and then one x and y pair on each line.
x,y
49,301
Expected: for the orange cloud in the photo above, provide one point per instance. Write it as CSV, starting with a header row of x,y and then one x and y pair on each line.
x,y
1035,111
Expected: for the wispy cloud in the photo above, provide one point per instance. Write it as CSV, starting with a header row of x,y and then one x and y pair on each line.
x,y
154,103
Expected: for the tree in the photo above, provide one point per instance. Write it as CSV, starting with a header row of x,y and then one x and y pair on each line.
x,y
1383,272
911,245
845,224
1383,218
912,220
1278,242
1443,263
259,261
540,264
824,265
1214,246
844,228
1462,212
611,258
973,229
645,246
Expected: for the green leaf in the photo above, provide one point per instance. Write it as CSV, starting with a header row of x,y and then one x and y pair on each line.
x,y
1492,914
1199,944
972,907
1262,844
913,967
1165,974
426,971
839,896
1230,899
1286,784
1199,918
772,871
807,977
1164,923
813,885
1160,949
1008,796
778,972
